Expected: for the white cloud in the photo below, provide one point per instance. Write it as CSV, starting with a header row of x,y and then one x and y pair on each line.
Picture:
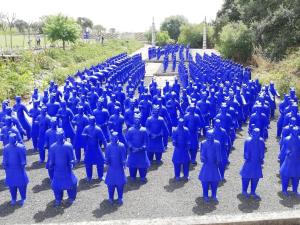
x,y
124,15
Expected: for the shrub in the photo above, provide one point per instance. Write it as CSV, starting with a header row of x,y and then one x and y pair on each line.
x,y
163,38
193,34
236,42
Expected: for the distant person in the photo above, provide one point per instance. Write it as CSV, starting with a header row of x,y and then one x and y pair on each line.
x,y
38,40
102,39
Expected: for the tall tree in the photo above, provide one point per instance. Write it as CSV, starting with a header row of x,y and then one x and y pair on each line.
x,y
11,23
62,28
85,23
3,27
21,26
172,25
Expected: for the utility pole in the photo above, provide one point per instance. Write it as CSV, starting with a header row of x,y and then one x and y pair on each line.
x,y
153,32
204,34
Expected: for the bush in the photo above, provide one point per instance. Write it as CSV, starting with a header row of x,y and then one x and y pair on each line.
x,y
193,34
163,38
236,42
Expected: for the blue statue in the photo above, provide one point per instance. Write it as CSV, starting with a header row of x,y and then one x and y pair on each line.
x,y
93,154
157,131
101,115
116,122
14,162
137,140
65,115
44,124
254,152
21,109
210,156
52,106
62,162
290,169
80,121
34,113
182,144
115,157
221,136
50,139
7,129
193,123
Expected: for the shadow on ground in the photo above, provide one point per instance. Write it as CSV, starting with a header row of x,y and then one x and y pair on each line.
x,y
202,207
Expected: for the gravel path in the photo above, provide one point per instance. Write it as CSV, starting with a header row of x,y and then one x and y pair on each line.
x,y
160,197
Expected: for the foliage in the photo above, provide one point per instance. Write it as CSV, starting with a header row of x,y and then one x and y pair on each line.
x,y
193,34
85,22
236,42
172,25
99,28
275,23
163,38
62,28
21,25
285,73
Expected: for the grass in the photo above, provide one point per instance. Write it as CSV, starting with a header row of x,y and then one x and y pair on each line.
x,y
285,73
38,68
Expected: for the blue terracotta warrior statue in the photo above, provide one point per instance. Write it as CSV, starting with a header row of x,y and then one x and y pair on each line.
x,y
157,131
290,169
65,115
223,138
34,113
62,161
115,157
102,116
137,140
93,154
44,124
254,152
21,109
181,141
14,162
193,123
80,121
210,155
7,129
50,139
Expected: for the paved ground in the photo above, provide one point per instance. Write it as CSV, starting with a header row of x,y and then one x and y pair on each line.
x,y
160,197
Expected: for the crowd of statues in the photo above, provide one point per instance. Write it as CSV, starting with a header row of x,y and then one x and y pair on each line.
x,y
108,113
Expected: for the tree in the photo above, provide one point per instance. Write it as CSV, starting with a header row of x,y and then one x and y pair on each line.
x,y
62,28
11,23
21,26
85,23
99,29
274,23
236,42
193,34
163,38
3,27
172,25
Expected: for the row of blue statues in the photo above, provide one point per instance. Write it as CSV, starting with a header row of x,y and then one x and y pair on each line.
x,y
109,112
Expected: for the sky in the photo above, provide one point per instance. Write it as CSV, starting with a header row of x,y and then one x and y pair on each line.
x,y
124,15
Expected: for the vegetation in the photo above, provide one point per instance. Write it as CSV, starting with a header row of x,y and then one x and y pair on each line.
x,y
172,25
163,38
193,34
235,42
275,24
61,28
285,73
37,69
